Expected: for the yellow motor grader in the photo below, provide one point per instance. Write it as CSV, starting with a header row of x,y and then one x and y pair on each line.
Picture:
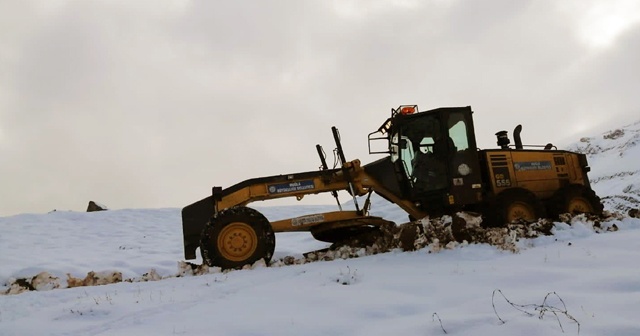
x,y
431,167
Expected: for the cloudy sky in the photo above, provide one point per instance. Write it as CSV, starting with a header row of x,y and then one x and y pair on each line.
x,y
140,104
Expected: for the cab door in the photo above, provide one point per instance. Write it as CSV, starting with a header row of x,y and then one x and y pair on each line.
x,y
464,166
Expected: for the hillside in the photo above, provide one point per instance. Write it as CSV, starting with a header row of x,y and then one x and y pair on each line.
x,y
614,157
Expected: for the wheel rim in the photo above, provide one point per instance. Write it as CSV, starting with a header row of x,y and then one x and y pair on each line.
x,y
579,205
520,210
237,241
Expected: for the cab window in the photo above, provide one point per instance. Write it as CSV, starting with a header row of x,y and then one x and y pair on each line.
x,y
402,148
458,131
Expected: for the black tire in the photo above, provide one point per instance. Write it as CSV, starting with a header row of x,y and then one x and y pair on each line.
x,y
236,237
515,204
575,199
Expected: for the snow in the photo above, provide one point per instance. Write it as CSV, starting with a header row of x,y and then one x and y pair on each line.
x,y
465,290
613,156
594,274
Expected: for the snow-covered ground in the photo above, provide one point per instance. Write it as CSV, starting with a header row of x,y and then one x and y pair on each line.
x,y
468,290
595,275
615,160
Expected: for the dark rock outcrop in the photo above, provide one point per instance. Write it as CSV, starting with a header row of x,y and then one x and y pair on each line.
x,y
93,206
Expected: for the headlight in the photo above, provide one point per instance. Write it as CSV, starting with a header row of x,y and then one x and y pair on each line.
x,y
464,170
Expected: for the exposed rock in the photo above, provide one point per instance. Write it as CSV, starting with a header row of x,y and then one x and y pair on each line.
x,y
614,134
186,268
45,281
41,282
104,277
152,275
93,206
95,279
17,288
74,282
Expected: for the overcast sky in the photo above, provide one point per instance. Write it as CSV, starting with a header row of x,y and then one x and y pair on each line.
x,y
138,104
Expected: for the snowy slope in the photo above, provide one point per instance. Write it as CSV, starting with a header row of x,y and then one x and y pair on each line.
x,y
595,275
614,157
427,292
130,241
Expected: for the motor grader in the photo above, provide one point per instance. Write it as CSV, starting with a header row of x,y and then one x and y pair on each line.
x,y
431,167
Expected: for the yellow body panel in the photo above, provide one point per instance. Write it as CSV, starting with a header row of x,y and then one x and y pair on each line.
x,y
539,171
362,184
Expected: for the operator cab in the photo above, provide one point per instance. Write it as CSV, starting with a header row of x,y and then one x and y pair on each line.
x,y
435,156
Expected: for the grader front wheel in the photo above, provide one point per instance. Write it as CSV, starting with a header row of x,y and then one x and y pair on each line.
x,y
236,237
237,241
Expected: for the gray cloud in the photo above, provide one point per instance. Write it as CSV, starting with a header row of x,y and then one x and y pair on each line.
x,y
140,105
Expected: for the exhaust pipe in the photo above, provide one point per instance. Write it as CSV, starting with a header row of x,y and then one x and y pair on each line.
x,y
516,137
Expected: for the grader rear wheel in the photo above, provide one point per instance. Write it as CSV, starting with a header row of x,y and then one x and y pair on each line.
x,y
236,237
579,205
575,199
516,204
